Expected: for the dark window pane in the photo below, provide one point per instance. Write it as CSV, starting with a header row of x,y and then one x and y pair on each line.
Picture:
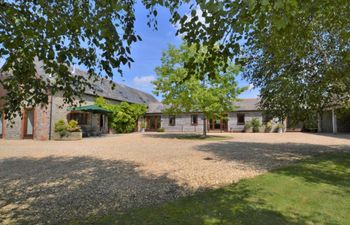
x,y
240,119
171,120
81,118
194,119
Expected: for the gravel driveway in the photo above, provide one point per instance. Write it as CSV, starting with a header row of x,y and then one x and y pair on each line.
x,y
55,182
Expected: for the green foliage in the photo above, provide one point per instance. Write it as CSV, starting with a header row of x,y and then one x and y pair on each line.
x,y
73,126
143,124
273,198
185,92
296,51
160,129
280,126
248,127
61,128
96,34
255,124
268,127
124,116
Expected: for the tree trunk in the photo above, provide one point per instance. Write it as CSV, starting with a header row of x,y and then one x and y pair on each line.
x,y
205,126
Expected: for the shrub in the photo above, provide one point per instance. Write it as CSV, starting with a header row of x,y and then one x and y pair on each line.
x,y
248,127
61,127
280,126
124,116
255,124
268,127
143,124
73,126
160,130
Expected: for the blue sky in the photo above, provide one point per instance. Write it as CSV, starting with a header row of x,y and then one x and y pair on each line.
x,y
147,53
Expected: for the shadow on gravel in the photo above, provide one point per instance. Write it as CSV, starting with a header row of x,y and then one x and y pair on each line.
x,y
266,156
345,136
55,190
314,191
189,136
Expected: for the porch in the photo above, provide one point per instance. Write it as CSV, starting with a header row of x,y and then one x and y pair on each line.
x,y
92,119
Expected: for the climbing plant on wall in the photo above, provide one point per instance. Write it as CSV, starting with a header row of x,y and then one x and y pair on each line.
x,y
124,116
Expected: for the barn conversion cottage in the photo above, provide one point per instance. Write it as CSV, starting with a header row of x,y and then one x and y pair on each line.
x,y
38,122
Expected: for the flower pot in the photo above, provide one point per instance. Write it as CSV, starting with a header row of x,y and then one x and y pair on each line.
x,y
70,136
280,130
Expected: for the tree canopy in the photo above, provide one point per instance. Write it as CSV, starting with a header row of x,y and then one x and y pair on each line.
x,y
183,93
303,43
296,51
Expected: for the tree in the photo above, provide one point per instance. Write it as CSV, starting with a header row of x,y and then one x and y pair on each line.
x,y
183,93
124,116
296,51
99,35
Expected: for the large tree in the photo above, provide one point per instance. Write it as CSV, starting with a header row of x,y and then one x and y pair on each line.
x,y
296,51
182,92
99,34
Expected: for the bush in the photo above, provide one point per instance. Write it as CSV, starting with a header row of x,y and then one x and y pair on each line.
x,y
73,126
255,124
124,116
268,127
280,126
61,128
160,130
143,124
247,127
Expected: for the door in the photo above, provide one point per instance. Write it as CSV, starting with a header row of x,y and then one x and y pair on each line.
x,y
28,129
1,125
152,123
218,124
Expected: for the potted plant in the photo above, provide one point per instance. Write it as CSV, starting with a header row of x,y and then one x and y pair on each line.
x,y
280,128
67,132
268,127
160,129
143,126
256,124
248,127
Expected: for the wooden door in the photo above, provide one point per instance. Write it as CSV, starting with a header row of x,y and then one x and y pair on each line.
x,y
28,123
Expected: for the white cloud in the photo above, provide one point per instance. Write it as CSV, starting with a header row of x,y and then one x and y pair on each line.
x,y
144,81
250,87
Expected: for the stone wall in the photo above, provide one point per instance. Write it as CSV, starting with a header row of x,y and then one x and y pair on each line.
x,y
248,116
12,130
42,119
60,112
182,123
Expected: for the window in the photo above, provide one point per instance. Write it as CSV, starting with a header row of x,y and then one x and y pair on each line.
x,y
82,118
171,120
194,120
240,119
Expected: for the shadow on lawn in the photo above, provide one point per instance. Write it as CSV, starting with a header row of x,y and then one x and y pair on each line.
x,y
55,190
274,198
266,156
262,200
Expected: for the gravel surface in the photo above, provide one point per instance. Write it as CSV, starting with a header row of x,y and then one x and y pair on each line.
x,y
54,182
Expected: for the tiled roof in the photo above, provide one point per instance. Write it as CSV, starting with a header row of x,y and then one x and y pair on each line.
x,y
103,87
245,104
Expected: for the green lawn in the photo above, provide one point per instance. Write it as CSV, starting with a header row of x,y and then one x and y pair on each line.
x,y
315,191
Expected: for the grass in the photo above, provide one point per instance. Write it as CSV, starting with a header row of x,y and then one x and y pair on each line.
x,y
314,191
